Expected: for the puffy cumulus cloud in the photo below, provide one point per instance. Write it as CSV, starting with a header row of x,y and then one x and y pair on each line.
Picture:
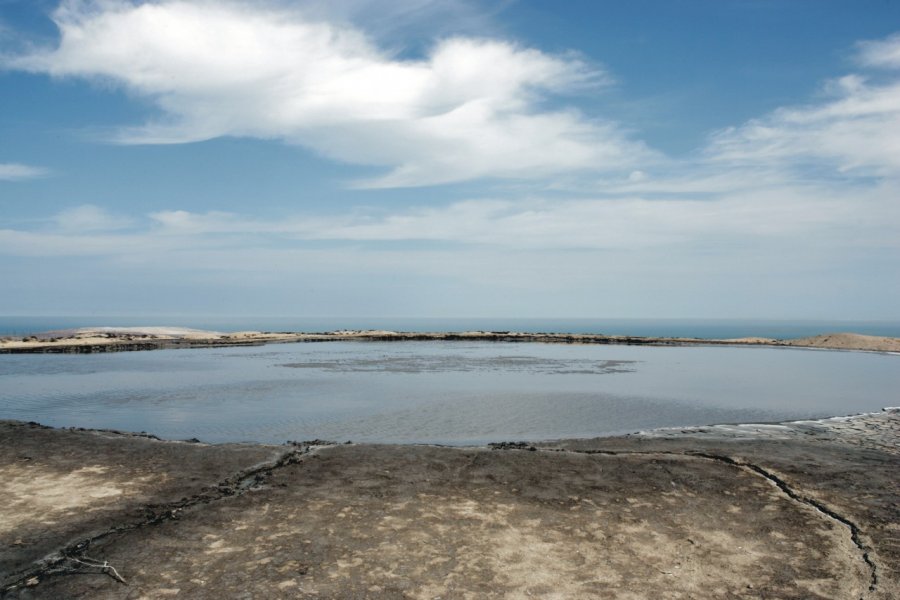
x,y
470,108
856,129
19,172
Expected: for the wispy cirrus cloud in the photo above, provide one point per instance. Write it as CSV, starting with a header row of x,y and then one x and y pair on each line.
x,y
746,219
470,108
817,246
20,172
880,53
854,129
89,218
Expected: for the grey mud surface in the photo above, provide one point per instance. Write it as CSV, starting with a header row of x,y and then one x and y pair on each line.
x,y
803,510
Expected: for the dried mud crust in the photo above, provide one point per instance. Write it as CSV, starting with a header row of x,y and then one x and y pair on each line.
x,y
846,468
64,486
692,515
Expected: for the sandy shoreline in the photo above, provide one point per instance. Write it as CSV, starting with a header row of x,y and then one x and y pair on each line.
x,y
794,510
109,339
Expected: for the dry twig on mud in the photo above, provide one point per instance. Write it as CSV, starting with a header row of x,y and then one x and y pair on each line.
x,y
96,564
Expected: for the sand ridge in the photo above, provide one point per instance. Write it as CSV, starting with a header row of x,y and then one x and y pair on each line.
x,y
105,339
847,341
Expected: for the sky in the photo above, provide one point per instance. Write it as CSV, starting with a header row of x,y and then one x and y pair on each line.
x,y
451,158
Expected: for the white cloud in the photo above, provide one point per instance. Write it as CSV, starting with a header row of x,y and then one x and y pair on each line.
x,y
470,108
856,130
90,218
20,172
812,251
867,218
881,53
802,202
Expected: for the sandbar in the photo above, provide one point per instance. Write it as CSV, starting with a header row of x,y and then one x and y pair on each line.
x,y
111,339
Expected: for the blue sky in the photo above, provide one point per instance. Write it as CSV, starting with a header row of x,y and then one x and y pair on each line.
x,y
448,158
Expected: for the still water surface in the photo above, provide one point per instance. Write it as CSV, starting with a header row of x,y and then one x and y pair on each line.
x,y
438,392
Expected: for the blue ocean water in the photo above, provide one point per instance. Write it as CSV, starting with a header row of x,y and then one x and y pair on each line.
x,y
699,328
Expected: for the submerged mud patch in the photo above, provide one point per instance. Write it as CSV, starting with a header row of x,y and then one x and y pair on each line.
x,y
447,363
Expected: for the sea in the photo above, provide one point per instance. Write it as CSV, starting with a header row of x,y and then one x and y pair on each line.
x,y
699,328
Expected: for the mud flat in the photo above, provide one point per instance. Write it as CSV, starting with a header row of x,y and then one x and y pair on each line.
x,y
797,510
110,339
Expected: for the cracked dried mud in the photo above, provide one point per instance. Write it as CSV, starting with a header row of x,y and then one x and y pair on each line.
x,y
804,510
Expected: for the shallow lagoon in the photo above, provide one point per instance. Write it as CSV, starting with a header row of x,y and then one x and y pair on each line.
x,y
438,392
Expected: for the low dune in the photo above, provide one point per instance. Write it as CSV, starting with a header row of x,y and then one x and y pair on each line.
x,y
848,341
106,339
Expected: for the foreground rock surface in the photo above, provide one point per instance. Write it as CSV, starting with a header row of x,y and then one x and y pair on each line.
x,y
807,510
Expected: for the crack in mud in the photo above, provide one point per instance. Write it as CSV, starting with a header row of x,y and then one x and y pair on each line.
x,y
778,482
67,561
782,485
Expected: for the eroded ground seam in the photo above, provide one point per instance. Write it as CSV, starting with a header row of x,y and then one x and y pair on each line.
x,y
819,506
73,558
773,479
